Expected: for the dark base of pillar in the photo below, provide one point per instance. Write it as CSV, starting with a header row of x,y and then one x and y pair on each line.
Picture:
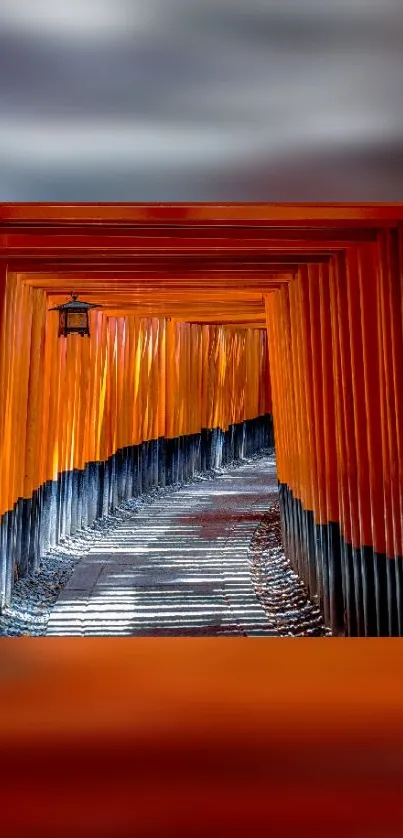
x,y
359,591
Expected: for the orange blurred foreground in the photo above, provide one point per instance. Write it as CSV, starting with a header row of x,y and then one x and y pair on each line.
x,y
180,737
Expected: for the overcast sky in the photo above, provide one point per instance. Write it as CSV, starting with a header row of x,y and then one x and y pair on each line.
x,y
196,100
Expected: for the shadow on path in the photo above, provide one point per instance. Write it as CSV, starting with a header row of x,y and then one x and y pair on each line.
x,y
179,567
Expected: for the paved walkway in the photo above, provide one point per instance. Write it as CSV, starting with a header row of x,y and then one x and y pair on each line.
x,y
180,566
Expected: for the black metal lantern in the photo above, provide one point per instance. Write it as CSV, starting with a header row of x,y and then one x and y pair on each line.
x,y
73,317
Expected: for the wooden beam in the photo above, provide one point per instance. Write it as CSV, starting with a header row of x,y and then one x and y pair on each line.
x,y
299,214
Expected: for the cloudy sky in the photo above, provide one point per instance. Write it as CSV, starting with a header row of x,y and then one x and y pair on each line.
x,y
197,100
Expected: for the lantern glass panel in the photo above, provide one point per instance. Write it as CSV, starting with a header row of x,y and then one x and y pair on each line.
x,y
77,320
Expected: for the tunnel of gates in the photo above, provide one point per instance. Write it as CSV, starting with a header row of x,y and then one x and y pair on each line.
x,y
214,319
90,423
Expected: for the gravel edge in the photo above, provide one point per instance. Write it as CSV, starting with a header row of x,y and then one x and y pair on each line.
x,y
278,588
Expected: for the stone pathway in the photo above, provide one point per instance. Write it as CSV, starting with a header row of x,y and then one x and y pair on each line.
x,y
179,567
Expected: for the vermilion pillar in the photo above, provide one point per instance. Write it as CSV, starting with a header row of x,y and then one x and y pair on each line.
x,y
335,343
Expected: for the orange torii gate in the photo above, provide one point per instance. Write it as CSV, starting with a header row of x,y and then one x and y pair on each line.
x,y
177,364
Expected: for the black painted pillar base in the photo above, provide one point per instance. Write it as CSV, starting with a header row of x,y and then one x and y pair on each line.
x,y
359,592
337,610
162,456
3,560
25,532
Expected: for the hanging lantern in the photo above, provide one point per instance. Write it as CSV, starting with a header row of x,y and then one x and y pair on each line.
x,y
73,317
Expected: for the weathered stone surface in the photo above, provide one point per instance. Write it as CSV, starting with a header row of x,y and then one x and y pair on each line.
x,y
179,567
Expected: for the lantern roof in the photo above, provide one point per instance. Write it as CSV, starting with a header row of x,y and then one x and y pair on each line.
x,y
75,305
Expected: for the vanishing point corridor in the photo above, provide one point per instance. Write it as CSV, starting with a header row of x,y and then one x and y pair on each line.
x,y
144,349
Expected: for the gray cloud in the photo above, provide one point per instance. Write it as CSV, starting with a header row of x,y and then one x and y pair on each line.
x,y
207,100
